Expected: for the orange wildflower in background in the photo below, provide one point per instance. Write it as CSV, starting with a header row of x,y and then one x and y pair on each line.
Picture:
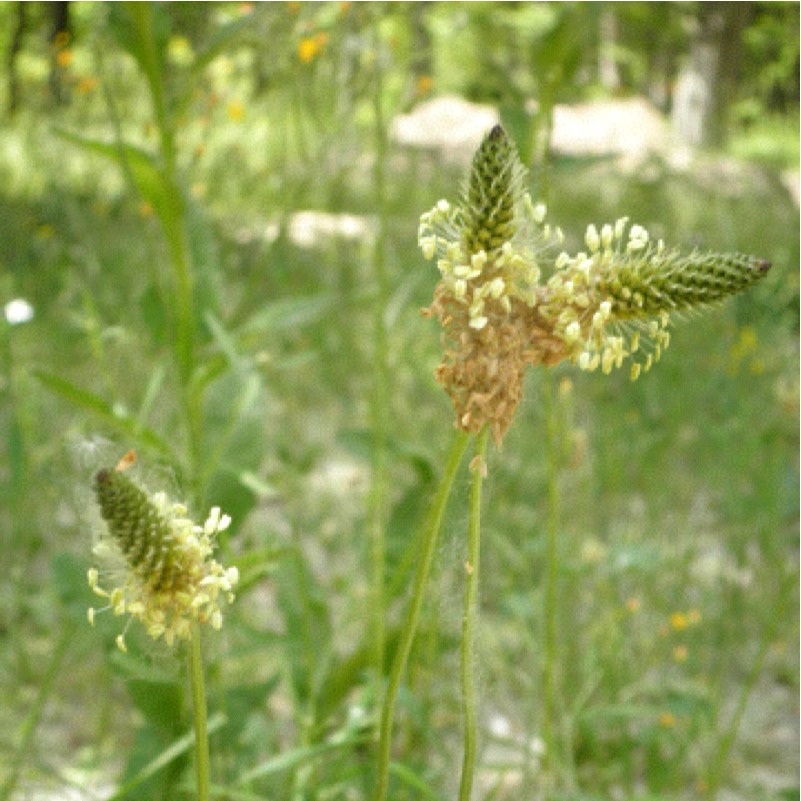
x,y
64,58
86,85
680,653
425,83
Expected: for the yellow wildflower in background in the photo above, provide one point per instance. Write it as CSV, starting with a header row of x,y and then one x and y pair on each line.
x,y
236,111
311,46
745,350
307,49
678,621
180,51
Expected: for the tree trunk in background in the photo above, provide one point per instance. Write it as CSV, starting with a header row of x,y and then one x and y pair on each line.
x,y
736,17
608,71
705,87
60,40
13,51
422,65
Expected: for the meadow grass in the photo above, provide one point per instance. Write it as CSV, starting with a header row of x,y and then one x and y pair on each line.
x,y
638,556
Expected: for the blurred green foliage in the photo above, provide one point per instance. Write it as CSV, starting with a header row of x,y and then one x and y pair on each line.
x,y
152,222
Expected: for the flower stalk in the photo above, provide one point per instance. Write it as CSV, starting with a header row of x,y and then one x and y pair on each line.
x,y
470,617
167,579
428,545
509,299
199,715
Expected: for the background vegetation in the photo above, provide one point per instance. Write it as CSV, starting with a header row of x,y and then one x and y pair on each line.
x,y
157,170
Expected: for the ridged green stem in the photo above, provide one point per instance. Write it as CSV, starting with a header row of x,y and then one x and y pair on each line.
x,y
469,618
428,543
379,486
199,715
551,575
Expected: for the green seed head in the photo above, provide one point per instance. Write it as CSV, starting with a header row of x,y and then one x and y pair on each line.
x,y
170,580
653,283
507,301
144,537
493,191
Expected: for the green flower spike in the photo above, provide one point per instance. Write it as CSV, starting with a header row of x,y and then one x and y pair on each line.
x,y
168,579
599,308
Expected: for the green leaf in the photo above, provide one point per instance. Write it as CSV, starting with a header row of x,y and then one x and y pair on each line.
x,y
413,780
104,411
307,623
221,39
69,579
359,442
143,30
289,313
245,700
297,756
224,341
152,308
234,434
160,702
150,179
255,564
176,750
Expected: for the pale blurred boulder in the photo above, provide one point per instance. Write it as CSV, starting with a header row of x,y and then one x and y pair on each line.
x,y
628,127
450,125
453,128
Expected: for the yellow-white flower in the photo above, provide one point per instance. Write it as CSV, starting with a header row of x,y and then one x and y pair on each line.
x,y
168,579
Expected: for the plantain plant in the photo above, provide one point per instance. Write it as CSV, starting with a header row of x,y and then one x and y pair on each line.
x,y
509,299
